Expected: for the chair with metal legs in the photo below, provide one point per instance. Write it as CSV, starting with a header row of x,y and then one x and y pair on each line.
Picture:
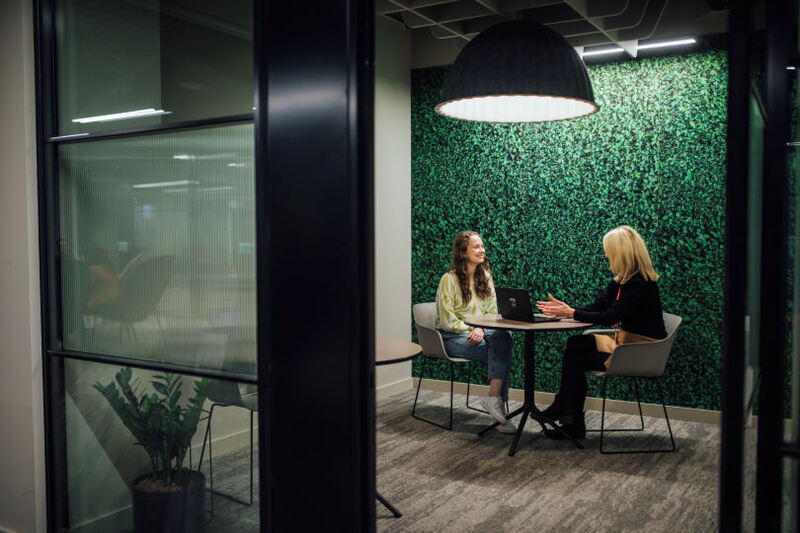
x,y
433,346
640,360
142,285
228,394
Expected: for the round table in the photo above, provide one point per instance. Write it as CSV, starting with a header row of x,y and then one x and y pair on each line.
x,y
529,357
390,351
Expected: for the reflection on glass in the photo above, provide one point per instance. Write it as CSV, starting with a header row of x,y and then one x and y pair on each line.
x,y
753,304
118,446
126,64
157,247
752,321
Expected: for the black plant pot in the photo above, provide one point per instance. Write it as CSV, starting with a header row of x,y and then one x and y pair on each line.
x,y
171,512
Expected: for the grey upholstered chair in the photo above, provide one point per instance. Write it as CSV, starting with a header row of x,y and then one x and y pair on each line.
x,y
639,360
433,347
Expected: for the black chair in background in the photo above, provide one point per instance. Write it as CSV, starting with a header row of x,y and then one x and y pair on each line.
x,y
141,288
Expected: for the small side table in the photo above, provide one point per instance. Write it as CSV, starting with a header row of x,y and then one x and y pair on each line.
x,y
388,352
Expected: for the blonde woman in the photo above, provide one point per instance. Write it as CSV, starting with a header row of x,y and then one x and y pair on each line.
x,y
631,301
464,291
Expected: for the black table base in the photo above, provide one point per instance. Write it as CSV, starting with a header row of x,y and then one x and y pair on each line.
x,y
529,408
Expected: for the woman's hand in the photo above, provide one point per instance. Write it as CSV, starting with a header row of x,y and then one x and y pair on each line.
x,y
475,336
555,308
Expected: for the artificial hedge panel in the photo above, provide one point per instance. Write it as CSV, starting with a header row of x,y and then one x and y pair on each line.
x,y
543,195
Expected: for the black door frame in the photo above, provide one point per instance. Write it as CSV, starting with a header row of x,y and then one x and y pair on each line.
x,y
314,195
314,163
736,245
780,51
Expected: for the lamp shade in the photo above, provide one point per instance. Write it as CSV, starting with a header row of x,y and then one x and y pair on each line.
x,y
517,71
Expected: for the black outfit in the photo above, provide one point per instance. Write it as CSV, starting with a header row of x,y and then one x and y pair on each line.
x,y
637,310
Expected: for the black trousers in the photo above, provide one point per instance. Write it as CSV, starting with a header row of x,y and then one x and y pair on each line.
x,y
581,355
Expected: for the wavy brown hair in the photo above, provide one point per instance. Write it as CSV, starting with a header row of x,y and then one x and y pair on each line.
x,y
459,268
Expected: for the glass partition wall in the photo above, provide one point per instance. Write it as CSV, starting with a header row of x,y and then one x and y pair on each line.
x,y
759,480
152,286
187,385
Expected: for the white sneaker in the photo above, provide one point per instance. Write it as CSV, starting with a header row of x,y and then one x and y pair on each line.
x,y
508,427
494,406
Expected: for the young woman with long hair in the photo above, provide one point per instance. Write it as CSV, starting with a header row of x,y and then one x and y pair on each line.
x,y
467,290
631,300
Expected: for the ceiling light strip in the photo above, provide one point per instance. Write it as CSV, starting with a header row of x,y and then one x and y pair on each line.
x,y
646,46
603,52
150,111
665,44
163,184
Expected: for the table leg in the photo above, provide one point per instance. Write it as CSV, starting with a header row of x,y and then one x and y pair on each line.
x,y
530,391
529,408
388,505
529,383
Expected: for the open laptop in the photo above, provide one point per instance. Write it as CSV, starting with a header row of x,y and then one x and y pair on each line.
x,y
515,304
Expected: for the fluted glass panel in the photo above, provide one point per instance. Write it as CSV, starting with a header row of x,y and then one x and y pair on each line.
x,y
127,64
157,247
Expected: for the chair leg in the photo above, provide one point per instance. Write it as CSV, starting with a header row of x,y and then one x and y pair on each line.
x,y
666,417
603,415
251,458
452,379
134,338
469,382
207,438
211,461
416,397
161,329
93,332
639,402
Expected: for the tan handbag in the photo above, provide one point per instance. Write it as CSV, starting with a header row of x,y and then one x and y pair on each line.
x,y
608,342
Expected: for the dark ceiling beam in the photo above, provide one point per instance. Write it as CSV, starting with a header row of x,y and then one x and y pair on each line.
x,y
630,18
649,24
387,7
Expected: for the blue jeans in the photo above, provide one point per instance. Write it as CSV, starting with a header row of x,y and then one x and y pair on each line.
x,y
494,349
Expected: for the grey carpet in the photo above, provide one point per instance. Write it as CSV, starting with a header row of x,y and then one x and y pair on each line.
x,y
456,481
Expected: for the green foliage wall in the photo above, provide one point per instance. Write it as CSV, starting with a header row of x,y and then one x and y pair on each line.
x,y
543,195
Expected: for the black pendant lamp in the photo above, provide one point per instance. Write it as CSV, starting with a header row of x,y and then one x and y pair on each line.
x,y
517,71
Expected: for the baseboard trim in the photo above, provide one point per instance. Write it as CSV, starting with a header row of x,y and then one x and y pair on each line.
x,y
109,521
396,387
227,443
593,404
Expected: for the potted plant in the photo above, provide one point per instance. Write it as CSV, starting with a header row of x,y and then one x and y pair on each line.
x,y
170,498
